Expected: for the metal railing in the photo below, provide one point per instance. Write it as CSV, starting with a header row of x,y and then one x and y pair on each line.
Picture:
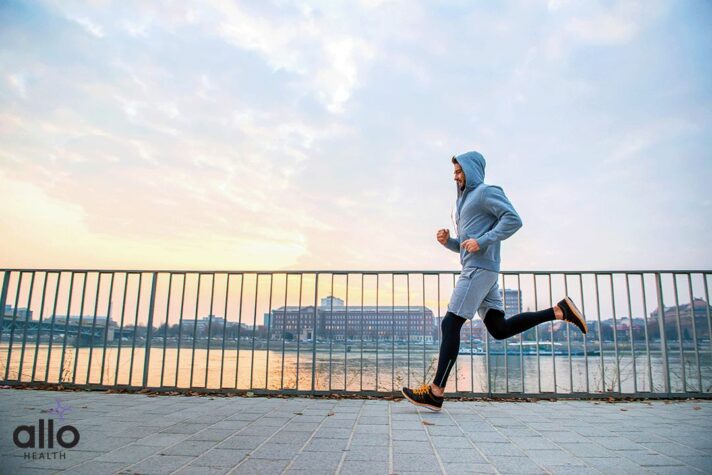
x,y
279,332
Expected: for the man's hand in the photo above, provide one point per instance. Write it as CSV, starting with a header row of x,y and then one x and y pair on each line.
x,y
443,236
470,245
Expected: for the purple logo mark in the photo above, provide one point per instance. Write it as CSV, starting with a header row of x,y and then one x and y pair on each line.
x,y
60,410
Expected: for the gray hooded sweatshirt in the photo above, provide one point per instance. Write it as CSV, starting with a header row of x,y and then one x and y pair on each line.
x,y
483,213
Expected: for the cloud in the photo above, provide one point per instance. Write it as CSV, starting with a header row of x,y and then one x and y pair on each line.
x,y
89,26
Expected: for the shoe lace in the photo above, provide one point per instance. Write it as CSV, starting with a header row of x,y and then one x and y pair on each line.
x,y
422,389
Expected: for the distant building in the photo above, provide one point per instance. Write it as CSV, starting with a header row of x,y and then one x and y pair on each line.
x,y
20,313
699,308
336,321
512,301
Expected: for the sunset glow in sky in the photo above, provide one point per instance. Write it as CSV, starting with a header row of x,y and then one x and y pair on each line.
x,y
255,135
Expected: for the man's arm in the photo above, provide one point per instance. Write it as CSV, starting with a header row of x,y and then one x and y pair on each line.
x,y
453,244
508,221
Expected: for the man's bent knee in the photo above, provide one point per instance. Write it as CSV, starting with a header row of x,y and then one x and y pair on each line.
x,y
496,324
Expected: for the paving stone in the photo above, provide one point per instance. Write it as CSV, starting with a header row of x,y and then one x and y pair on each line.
x,y
461,455
189,447
131,453
241,442
160,464
367,452
463,468
360,467
92,467
220,458
322,461
261,467
415,463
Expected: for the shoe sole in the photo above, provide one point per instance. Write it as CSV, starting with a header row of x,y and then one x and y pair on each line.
x,y
432,408
577,313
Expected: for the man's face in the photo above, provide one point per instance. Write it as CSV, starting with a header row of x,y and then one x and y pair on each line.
x,y
459,176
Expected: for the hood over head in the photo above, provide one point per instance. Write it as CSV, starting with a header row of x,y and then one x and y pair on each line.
x,y
473,165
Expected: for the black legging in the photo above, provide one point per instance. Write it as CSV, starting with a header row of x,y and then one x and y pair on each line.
x,y
497,326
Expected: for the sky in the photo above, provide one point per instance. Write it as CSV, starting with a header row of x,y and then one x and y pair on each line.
x,y
302,136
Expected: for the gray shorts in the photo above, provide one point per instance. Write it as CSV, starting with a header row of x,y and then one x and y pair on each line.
x,y
476,290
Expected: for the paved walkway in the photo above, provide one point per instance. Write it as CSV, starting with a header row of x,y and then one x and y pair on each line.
x,y
135,433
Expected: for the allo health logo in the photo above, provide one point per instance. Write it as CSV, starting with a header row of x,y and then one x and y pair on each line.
x,y
43,436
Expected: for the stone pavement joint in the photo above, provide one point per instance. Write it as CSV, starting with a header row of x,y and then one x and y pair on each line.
x,y
139,434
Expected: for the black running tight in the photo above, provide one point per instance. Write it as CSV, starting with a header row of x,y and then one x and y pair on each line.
x,y
497,325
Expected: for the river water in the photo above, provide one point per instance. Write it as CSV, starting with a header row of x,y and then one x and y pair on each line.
x,y
387,370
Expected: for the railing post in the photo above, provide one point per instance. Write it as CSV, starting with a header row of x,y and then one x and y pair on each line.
x,y
316,296
149,333
663,338
3,299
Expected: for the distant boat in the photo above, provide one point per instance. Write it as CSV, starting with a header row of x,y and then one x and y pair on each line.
x,y
530,348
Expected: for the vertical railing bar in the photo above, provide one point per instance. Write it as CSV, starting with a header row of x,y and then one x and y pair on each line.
x,y
361,363
707,309
694,333
51,331
79,326
93,323
632,340
27,321
536,335
472,358
393,324
647,339
521,335
254,328
180,327
269,327
615,336
663,336
378,318
299,329
316,299
195,330
224,329
422,276
7,275
133,342
239,330
470,324
439,320
679,333
505,342
332,322
12,327
408,339
585,340
165,328
551,327
149,330
106,327
210,328
568,340
346,336
39,323
66,324
600,334
284,327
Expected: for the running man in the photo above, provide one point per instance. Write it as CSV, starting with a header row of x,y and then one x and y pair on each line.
x,y
483,217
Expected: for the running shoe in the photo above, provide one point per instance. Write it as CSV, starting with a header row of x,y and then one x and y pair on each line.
x,y
572,314
423,396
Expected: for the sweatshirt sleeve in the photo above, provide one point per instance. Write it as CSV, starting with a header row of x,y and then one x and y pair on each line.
x,y
508,221
453,244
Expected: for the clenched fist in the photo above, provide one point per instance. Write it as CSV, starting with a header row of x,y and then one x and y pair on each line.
x,y
443,236
471,245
